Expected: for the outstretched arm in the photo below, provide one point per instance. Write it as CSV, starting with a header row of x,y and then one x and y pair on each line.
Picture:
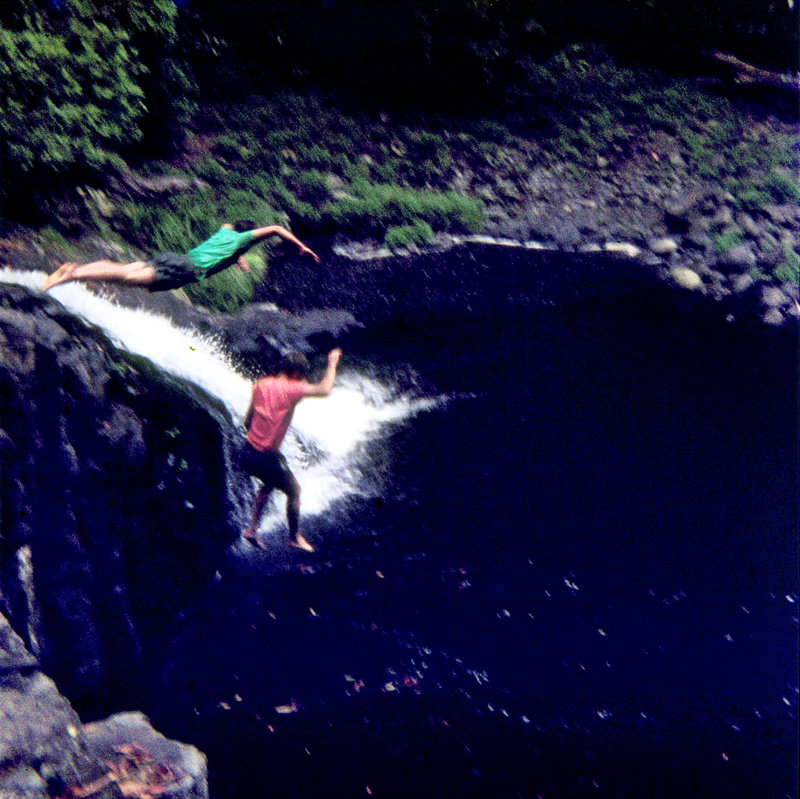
x,y
324,387
276,230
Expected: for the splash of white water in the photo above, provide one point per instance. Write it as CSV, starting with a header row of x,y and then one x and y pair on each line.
x,y
327,436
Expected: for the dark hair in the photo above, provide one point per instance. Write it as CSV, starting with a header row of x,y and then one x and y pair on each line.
x,y
293,364
243,225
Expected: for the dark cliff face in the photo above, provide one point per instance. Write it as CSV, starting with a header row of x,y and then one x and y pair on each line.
x,y
114,507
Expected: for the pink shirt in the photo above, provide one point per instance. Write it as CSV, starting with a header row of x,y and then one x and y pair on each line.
x,y
273,403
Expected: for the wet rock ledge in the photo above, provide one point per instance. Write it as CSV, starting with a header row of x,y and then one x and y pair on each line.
x,y
45,750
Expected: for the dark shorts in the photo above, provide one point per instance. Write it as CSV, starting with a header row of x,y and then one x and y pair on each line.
x,y
268,466
172,271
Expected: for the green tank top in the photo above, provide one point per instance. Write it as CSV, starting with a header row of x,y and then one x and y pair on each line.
x,y
220,251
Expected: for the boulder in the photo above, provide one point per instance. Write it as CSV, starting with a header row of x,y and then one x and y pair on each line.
x,y
679,212
116,499
622,248
686,278
743,283
697,236
773,297
663,246
46,751
738,258
773,317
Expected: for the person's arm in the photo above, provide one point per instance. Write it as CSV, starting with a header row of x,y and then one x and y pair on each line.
x,y
242,264
325,386
276,230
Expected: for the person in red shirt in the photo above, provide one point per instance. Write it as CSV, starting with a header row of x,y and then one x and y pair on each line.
x,y
267,420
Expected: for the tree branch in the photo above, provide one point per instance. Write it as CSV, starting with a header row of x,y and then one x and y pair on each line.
x,y
747,73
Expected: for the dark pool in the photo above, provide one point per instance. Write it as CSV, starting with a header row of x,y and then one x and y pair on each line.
x,y
579,578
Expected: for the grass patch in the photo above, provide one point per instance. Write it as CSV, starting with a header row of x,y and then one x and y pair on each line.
x,y
789,270
231,289
419,234
727,240
375,208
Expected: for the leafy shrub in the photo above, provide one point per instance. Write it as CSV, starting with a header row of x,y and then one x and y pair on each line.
x,y
231,289
419,233
182,221
81,83
64,107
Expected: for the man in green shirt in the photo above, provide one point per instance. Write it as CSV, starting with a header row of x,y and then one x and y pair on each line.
x,y
171,270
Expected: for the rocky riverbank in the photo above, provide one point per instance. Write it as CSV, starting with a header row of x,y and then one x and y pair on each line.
x,y
46,751
696,238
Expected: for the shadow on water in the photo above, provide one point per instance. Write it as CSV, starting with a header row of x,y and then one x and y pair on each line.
x,y
579,578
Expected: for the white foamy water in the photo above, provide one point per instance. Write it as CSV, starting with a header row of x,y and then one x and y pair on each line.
x,y
325,443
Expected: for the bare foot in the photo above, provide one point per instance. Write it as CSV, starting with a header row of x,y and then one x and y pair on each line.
x,y
62,274
254,540
301,543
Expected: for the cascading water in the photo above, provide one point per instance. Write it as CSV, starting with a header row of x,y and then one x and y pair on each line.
x,y
326,440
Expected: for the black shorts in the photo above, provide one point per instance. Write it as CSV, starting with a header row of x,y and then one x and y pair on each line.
x,y
268,466
172,271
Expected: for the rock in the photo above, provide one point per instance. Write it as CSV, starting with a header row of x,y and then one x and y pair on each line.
x,y
773,297
743,283
792,291
686,278
677,160
110,427
13,655
784,214
132,729
740,257
697,236
773,317
723,217
663,246
749,226
769,258
622,248
566,234
678,212
46,751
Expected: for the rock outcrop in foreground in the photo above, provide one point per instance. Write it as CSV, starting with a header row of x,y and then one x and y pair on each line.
x,y
115,501
45,750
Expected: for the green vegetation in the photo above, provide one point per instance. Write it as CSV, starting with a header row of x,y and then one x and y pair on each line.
x,y
81,84
727,239
64,110
231,289
789,270
417,234
87,87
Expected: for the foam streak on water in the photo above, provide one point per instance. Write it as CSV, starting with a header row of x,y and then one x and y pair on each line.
x,y
327,435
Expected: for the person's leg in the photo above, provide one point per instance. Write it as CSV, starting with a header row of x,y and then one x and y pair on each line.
x,y
251,532
293,516
137,273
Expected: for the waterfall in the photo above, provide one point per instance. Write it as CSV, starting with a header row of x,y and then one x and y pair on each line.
x,y
325,444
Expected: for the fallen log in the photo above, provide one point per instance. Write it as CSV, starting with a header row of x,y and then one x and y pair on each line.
x,y
748,73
